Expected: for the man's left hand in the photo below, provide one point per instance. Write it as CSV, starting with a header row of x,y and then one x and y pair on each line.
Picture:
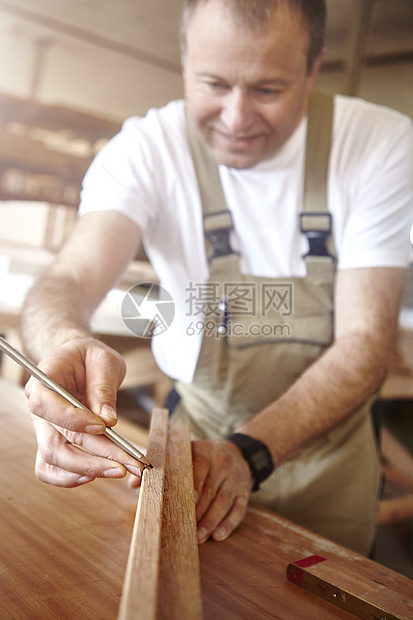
x,y
223,483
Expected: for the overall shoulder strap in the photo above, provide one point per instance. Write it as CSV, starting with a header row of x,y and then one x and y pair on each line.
x,y
316,220
207,172
319,133
216,215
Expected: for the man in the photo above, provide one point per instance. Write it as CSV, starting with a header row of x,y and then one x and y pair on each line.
x,y
284,413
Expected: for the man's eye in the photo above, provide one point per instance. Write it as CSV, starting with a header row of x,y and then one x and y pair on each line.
x,y
268,92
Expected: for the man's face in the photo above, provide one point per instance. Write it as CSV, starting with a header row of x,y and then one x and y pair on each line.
x,y
246,90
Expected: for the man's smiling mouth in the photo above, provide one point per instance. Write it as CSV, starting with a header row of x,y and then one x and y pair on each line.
x,y
237,140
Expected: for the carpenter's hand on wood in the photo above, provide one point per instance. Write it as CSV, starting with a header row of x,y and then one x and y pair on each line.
x,y
223,483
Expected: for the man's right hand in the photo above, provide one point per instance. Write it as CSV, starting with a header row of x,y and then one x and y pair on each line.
x,y
72,449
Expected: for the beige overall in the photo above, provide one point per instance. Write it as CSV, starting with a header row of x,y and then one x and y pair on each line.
x,y
274,330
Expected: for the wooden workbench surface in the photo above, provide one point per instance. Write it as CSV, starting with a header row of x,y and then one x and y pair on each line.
x,y
63,552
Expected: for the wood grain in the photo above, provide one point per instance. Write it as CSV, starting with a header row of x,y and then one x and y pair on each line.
x,y
245,577
139,597
362,595
63,552
162,577
179,594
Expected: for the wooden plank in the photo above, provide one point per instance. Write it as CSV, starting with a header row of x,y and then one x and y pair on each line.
x,y
64,551
139,596
244,577
179,594
162,576
56,118
33,156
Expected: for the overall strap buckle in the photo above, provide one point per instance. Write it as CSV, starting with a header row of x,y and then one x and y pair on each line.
x,y
317,227
217,227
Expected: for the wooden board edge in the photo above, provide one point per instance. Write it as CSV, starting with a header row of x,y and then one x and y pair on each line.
x,y
139,594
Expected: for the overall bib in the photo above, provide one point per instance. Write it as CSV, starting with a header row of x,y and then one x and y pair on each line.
x,y
273,329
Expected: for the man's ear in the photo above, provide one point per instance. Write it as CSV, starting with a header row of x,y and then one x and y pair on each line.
x,y
312,76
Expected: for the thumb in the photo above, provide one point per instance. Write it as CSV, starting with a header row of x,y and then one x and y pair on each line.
x,y
109,414
103,381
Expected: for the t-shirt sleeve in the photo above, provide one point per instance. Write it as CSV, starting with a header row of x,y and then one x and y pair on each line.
x,y
120,177
379,193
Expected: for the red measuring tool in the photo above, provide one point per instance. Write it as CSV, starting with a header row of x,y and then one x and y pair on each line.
x,y
364,597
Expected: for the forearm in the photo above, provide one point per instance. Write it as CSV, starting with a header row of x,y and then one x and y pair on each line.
x,y
329,391
60,305
54,312
349,372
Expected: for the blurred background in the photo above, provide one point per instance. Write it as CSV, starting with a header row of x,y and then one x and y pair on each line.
x,y
115,59
107,60
72,71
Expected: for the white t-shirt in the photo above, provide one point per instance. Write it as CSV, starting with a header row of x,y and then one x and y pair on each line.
x,y
146,173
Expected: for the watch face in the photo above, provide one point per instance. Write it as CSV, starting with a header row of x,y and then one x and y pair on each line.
x,y
259,459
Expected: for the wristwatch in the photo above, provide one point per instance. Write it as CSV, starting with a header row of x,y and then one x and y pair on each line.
x,y
257,456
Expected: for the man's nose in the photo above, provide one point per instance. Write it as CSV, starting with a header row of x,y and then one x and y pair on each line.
x,y
237,112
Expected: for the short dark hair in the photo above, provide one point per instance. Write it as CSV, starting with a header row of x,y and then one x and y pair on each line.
x,y
255,14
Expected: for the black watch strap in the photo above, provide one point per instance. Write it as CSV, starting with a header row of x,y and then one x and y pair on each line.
x,y
257,456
